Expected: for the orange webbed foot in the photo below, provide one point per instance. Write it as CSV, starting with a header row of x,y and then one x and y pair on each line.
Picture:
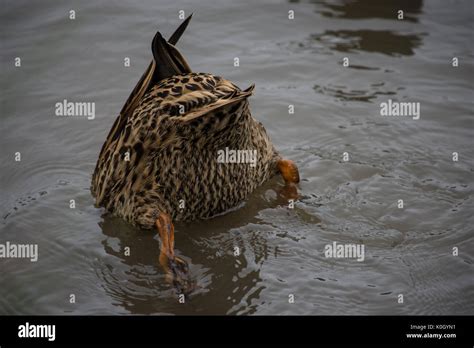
x,y
289,171
176,269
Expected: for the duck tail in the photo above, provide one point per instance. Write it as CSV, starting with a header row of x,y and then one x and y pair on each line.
x,y
178,32
167,61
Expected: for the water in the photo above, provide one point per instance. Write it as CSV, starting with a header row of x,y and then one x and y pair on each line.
x,y
337,109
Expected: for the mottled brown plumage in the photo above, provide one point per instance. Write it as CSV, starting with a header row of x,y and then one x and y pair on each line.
x,y
160,160
173,156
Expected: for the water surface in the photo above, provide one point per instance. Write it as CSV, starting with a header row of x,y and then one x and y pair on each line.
x,y
337,110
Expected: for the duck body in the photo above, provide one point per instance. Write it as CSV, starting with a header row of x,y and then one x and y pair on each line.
x,y
165,157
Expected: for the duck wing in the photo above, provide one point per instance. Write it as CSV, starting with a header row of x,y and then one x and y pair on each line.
x,y
183,99
220,104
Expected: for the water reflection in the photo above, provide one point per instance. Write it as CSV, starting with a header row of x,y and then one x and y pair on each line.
x,y
372,41
366,38
225,256
344,93
133,280
363,9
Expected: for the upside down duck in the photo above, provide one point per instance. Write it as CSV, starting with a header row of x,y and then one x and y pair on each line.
x,y
159,163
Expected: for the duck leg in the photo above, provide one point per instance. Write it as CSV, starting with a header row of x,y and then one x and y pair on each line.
x,y
289,172
176,268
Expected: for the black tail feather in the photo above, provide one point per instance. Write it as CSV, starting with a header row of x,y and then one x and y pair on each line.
x,y
167,58
167,61
178,32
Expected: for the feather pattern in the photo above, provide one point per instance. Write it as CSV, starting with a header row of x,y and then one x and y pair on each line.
x,y
161,154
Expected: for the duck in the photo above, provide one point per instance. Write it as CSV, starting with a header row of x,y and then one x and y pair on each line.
x,y
160,162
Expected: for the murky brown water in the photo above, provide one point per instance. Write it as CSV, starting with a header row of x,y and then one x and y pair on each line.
x,y
337,109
